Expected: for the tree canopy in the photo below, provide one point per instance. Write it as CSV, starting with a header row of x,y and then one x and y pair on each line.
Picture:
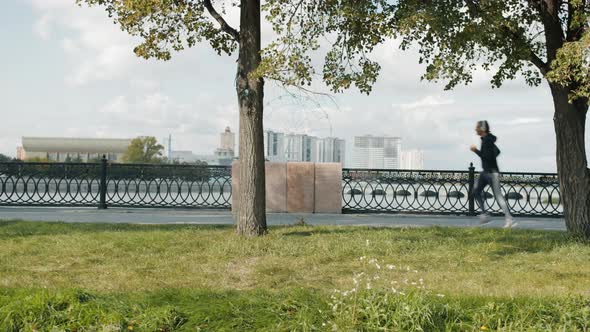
x,y
144,150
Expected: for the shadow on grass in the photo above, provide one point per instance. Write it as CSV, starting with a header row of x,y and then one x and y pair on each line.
x,y
511,241
21,228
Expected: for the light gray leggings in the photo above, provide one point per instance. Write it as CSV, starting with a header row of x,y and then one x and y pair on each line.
x,y
492,179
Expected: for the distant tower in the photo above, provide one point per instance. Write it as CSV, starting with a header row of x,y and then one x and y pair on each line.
x,y
228,140
170,148
225,153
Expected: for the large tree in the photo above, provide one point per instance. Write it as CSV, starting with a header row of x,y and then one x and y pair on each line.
x,y
144,150
542,40
166,26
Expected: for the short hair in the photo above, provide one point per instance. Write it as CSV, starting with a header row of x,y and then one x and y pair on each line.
x,y
484,125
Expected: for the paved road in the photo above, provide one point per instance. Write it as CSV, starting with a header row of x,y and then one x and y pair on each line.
x,y
214,217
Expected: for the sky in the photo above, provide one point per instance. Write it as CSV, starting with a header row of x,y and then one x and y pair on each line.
x,y
68,71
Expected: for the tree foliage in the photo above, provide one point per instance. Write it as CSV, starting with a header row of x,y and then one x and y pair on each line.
x,y
508,37
144,150
572,68
4,158
301,27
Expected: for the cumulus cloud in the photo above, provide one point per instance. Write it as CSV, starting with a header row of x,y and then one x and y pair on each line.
x,y
43,27
426,102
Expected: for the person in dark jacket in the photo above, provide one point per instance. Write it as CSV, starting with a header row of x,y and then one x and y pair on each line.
x,y
490,174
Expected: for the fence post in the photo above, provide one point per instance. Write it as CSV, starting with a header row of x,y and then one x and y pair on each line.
x,y
102,204
471,185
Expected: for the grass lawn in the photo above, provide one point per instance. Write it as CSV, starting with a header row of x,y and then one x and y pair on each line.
x,y
104,277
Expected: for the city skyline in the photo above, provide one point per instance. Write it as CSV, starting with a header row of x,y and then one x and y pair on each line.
x,y
281,147
97,87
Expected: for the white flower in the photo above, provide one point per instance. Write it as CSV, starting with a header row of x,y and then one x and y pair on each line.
x,y
372,261
362,258
440,295
378,266
390,267
402,293
415,271
407,268
368,285
367,243
393,290
376,277
353,290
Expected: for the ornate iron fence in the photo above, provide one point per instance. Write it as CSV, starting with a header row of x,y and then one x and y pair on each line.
x,y
446,192
116,185
191,186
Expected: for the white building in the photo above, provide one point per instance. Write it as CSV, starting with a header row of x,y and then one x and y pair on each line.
x,y
62,149
331,150
274,146
300,148
413,159
377,152
226,151
228,140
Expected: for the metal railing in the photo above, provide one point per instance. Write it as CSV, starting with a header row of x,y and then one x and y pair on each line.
x,y
446,192
105,185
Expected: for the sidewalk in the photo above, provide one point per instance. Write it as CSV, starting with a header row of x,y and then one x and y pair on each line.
x,y
223,217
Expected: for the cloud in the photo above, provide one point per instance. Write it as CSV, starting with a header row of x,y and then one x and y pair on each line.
x,y
525,121
119,105
95,48
426,102
43,27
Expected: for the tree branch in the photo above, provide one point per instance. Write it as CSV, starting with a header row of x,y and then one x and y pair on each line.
x,y
543,67
224,26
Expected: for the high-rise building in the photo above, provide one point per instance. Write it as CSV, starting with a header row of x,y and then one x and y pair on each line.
x,y
378,152
300,148
225,153
274,146
228,140
331,150
413,159
20,153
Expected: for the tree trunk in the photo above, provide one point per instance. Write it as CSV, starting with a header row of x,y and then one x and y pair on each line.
x,y
572,165
251,212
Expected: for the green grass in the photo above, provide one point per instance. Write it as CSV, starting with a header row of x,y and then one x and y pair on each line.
x,y
100,277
